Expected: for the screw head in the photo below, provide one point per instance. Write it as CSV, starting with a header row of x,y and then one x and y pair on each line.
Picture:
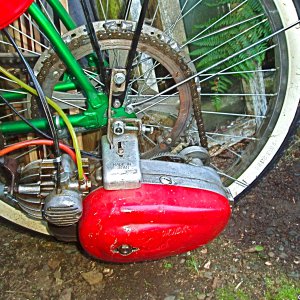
x,y
165,180
118,127
125,250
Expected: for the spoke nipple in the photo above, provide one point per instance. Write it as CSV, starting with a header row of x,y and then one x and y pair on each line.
x,y
169,141
129,109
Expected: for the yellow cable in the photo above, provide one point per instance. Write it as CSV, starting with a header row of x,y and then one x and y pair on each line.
x,y
60,113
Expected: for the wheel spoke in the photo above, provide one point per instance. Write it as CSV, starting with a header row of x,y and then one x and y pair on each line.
x,y
13,91
68,103
217,64
233,65
213,24
179,17
36,27
12,114
224,29
21,48
226,147
29,37
15,102
239,137
232,114
47,13
241,77
149,140
243,184
228,41
27,152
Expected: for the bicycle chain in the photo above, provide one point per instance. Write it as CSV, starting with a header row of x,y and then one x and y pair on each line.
x,y
113,30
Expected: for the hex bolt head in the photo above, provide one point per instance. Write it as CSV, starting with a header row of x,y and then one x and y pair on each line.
x,y
117,103
119,78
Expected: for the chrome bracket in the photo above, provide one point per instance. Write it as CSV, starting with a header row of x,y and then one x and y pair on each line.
x,y
121,162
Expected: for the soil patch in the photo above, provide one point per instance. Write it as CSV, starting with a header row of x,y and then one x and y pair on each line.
x,y
257,257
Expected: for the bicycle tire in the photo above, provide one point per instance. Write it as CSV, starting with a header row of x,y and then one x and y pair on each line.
x,y
282,127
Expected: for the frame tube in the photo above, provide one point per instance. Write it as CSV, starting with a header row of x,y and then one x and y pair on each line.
x,y
66,56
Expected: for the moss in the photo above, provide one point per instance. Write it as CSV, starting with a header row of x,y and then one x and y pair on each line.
x,y
114,9
279,289
229,293
282,289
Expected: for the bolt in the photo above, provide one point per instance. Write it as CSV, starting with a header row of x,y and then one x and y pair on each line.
x,y
119,78
117,103
121,152
149,129
165,180
126,250
55,74
169,141
118,128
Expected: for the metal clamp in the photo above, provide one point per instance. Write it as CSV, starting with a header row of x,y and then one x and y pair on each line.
x,y
121,162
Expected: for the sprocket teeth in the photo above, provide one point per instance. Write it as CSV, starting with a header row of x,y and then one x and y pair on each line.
x,y
124,30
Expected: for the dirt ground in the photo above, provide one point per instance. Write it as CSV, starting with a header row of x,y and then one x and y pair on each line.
x,y
257,257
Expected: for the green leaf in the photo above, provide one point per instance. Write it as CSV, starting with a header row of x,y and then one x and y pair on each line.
x,y
259,248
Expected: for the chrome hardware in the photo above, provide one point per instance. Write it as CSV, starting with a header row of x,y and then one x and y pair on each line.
x,y
63,208
121,162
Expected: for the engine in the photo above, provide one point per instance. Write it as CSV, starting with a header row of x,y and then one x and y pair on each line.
x,y
37,195
136,209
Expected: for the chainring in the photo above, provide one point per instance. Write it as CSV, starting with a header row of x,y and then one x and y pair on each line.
x,y
117,35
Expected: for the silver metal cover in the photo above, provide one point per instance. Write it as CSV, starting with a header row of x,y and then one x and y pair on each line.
x,y
171,173
64,208
121,163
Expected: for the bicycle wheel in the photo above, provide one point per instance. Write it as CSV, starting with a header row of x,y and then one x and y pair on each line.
x,y
241,55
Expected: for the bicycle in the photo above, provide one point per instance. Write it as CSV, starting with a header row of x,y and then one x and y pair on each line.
x,y
130,85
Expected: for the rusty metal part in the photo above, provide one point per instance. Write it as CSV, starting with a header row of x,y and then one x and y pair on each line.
x,y
12,60
2,141
153,42
11,166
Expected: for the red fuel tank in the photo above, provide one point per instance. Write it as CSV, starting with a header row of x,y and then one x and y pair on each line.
x,y
10,10
151,222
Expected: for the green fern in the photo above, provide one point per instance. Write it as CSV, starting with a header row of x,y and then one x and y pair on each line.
x,y
239,36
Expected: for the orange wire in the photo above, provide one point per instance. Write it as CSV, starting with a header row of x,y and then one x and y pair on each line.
x,y
23,144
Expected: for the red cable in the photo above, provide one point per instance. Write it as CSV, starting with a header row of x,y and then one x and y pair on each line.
x,y
23,144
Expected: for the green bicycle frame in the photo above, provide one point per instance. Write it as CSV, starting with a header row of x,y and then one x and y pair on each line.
x,y
97,102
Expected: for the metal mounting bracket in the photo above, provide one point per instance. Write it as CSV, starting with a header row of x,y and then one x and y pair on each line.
x,y
121,162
